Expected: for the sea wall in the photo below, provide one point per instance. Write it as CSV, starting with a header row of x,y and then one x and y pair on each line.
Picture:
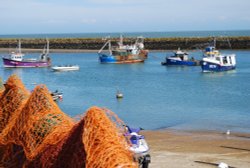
x,y
150,43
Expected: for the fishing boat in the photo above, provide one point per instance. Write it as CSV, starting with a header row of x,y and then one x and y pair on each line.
x,y
180,58
66,68
122,54
214,61
16,59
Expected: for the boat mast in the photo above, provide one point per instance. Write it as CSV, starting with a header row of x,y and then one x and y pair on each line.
x,y
110,52
47,51
214,42
19,46
121,41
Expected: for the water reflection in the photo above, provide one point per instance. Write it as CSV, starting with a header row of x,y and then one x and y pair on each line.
x,y
9,71
218,74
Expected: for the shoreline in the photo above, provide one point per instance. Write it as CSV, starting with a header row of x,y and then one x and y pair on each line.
x,y
30,50
51,50
181,149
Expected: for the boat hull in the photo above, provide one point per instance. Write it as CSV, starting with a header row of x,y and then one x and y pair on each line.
x,y
76,68
212,67
120,59
178,62
8,63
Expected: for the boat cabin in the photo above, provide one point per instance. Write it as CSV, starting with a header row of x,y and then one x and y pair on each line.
x,y
226,60
211,51
16,56
182,55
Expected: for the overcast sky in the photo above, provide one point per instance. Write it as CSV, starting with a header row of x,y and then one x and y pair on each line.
x,y
83,16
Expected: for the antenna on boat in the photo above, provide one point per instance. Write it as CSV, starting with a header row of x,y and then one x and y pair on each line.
x,y
229,43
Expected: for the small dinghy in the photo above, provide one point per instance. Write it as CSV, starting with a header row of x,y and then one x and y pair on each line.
x,y
66,68
56,95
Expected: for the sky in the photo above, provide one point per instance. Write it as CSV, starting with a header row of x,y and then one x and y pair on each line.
x,y
93,16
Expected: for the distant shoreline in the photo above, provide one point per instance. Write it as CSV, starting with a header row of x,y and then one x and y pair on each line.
x,y
146,34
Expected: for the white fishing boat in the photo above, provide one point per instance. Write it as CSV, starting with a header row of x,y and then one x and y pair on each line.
x,y
66,68
214,61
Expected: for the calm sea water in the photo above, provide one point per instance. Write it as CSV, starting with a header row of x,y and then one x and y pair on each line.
x,y
135,34
155,96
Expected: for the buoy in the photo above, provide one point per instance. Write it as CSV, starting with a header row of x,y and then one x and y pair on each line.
x,y
119,95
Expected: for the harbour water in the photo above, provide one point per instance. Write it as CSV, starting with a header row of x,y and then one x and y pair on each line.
x,y
155,96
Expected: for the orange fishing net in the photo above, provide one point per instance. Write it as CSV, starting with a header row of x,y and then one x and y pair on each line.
x,y
34,132
104,142
1,86
12,100
46,125
68,152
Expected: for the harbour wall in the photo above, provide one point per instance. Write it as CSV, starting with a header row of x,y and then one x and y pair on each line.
x,y
150,43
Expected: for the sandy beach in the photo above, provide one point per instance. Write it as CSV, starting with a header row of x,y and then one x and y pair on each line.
x,y
179,149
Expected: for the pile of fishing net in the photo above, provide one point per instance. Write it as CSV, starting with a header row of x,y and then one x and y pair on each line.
x,y
1,86
34,132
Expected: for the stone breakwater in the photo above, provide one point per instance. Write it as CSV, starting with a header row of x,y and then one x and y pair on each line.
x,y
150,43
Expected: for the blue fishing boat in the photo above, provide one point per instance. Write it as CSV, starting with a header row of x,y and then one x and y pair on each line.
x,y
123,54
214,61
181,58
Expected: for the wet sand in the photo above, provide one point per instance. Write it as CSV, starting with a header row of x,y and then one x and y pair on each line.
x,y
179,149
